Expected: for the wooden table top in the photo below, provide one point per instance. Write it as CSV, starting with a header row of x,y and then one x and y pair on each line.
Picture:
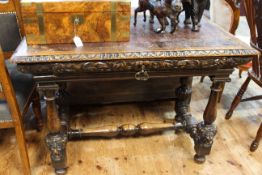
x,y
144,44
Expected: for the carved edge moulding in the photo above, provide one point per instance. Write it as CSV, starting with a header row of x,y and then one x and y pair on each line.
x,y
133,55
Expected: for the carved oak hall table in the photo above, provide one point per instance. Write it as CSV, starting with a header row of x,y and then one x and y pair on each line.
x,y
184,54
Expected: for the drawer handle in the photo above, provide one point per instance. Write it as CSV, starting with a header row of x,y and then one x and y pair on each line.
x,y
142,75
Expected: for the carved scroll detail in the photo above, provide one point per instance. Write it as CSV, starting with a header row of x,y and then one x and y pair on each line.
x,y
57,145
203,136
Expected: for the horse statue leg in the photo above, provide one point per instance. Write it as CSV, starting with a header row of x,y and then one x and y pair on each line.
x,y
201,7
136,11
174,22
178,7
151,17
162,24
186,7
194,11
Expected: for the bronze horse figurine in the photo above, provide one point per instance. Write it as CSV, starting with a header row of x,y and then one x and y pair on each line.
x,y
194,9
162,10
167,10
144,5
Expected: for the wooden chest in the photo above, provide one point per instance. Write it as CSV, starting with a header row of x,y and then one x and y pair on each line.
x,y
58,21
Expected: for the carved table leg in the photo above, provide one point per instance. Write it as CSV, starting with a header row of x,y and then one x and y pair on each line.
x,y
55,140
221,92
204,132
183,97
37,110
63,101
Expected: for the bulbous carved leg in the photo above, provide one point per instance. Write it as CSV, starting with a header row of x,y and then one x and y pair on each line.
x,y
56,144
56,139
204,132
203,136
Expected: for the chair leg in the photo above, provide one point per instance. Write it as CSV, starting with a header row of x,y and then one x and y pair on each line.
x,y
240,73
221,92
37,110
255,143
20,137
202,79
238,98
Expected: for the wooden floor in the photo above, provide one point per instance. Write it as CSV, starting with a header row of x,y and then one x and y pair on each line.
x,y
166,154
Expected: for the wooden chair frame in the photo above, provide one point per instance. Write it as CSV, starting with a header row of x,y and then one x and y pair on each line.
x,y
254,18
13,6
7,93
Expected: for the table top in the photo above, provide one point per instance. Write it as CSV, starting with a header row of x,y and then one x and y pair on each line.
x,y
144,44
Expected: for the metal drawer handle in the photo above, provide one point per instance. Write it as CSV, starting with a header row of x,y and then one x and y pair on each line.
x,y
142,75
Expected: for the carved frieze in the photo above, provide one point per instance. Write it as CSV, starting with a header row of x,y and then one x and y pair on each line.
x,y
132,65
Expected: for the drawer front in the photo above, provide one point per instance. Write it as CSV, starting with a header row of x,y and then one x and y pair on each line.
x,y
139,69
